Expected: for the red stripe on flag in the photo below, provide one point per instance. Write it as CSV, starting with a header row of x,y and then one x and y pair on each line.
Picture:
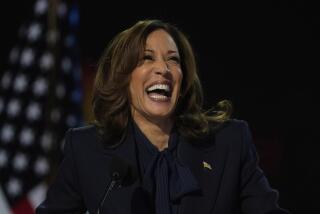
x,y
23,207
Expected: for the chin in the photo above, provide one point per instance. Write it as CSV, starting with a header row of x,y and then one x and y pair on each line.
x,y
160,114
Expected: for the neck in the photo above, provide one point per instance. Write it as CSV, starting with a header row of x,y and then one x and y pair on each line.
x,y
157,131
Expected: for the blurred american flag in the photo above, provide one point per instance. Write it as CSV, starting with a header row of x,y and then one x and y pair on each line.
x,y
40,98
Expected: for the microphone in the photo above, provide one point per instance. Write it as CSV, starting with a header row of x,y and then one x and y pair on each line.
x,y
121,173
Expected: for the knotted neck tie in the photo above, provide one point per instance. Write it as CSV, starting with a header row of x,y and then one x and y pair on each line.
x,y
164,177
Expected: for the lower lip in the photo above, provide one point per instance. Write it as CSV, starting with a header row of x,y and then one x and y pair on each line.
x,y
158,98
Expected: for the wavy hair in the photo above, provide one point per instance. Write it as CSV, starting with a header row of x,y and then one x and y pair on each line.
x,y
111,105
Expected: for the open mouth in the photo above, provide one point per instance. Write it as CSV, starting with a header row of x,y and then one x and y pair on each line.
x,y
159,92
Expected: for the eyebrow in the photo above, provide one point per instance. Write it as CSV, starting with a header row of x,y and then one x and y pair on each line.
x,y
170,51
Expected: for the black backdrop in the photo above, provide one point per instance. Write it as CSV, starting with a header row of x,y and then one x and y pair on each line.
x,y
263,56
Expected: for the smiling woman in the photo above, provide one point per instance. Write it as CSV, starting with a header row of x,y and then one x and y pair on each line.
x,y
153,149
152,52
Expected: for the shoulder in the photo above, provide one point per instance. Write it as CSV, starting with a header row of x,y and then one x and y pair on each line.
x,y
81,138
232,133
83,132
231,126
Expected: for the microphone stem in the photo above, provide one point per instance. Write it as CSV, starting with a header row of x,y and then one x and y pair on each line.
x,y
112,184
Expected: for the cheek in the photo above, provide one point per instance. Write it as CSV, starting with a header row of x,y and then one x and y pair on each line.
x,y
133,82
138,76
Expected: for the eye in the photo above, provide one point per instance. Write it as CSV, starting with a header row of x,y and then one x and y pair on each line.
x,y
147,57
176,59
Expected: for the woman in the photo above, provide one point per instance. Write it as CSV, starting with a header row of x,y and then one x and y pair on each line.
x,y
153,149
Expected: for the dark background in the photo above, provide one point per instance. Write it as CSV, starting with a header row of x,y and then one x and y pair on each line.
x,y
263,56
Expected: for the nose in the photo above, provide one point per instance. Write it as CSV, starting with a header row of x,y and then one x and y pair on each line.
x,y
161,67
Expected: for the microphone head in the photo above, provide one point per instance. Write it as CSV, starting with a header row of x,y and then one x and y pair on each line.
x,y
121,171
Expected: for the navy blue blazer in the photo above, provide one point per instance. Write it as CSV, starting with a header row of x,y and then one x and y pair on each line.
x,y
234,184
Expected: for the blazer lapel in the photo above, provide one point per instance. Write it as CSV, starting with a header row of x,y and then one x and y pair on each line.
x,y
207,165
120,197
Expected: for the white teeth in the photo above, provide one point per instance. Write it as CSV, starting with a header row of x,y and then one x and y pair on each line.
x,y
159,86
158,97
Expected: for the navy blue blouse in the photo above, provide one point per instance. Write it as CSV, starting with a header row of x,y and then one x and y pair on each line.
x,y
164,178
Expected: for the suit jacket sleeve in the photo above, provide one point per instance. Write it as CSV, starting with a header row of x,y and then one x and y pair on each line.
x,y
256,194
63,195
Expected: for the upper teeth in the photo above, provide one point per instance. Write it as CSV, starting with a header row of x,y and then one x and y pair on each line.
x,y
159,86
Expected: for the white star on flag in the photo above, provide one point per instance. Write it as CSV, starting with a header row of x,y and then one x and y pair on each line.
x,y
33,111
13,108
20,83
14,186
34,32
26,136
41,166
20,162
40,87
7,133
27,57
41,7
46,61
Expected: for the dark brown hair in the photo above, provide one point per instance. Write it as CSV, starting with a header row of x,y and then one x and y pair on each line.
x,y
111,94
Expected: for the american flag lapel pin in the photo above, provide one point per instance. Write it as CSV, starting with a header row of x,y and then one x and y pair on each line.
x,y
206,165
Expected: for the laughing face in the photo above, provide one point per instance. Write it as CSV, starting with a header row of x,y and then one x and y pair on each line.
x,y
155,82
